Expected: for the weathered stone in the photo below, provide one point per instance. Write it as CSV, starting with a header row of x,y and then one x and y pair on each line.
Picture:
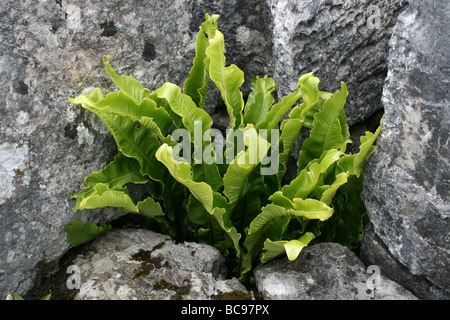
x,y
374,252
339,40
326,271
133,264
407,177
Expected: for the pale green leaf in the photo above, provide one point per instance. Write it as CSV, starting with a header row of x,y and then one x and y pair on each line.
x,y
328,191
150,124
181,171
150,208
328,158
269,224
119,172
208,173
327,131
183,105
304,183
312,209
290,128
279,199
290,131
139,143
227,79
260,100
272,250
46,297
276,113
79,232
354,164
292,248
236,178
103,196
196,84
122,104
16,296
128,85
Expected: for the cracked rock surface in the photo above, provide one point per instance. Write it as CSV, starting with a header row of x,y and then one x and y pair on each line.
x,y
326,271
135,264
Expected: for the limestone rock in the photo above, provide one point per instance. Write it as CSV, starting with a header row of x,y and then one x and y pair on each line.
x,y
326,271
339,40
134,264
406,188
374,252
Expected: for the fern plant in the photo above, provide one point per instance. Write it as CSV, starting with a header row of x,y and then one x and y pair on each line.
x,y
236,202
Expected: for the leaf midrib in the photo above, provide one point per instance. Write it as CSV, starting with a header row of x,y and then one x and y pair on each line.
x,y
146,158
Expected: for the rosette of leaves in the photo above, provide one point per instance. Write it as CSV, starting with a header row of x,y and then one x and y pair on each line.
x,y
250,217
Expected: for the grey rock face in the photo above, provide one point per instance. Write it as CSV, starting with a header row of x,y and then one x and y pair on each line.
x,y
339,40
374,252
326,271
133,264
407,177
46,145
